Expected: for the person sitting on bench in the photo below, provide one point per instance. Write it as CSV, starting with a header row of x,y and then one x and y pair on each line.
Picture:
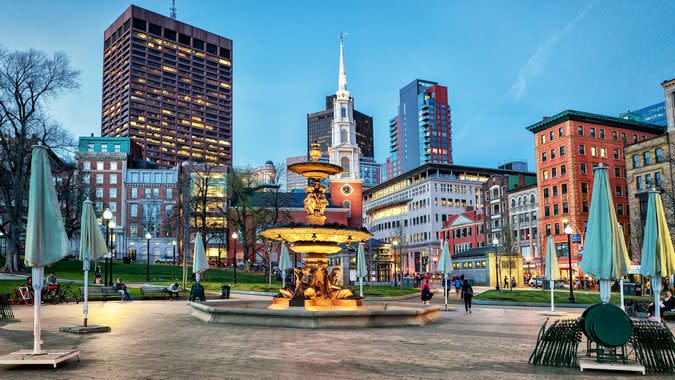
x,y
173,290
122,290
667,304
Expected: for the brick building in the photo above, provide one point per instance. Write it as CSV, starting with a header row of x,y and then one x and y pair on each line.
x,y
494,193
568,146
464,231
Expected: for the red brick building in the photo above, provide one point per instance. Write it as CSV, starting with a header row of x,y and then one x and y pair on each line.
x,y
568,146
464,231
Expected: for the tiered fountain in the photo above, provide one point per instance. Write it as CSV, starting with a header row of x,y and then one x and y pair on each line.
x,y
314,299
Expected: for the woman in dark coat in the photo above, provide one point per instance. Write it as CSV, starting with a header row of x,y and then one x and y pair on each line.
x,y
467,293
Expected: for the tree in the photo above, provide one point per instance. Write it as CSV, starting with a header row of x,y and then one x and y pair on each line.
x,y
28,81
509,245
72,191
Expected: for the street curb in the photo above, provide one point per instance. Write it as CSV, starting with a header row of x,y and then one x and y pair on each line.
x,y
531,304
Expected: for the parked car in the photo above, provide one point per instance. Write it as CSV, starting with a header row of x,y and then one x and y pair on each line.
x,y
536,282
165,259
217,264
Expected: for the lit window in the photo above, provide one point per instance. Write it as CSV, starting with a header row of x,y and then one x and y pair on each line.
x,y
99,178
99,165
86,165
113,193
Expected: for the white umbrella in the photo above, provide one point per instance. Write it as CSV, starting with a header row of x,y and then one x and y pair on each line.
x,y
284,262
361,270
552,271
445,266
199,261
46,239
92,246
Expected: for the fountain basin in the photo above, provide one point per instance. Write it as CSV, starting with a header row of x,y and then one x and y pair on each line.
x,y
371,314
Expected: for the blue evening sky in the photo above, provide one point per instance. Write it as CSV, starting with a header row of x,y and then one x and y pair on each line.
x,y
506,64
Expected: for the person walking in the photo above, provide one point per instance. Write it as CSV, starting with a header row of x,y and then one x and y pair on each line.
x,y
506,282
97,275
458,285
513,282
425,289
467,293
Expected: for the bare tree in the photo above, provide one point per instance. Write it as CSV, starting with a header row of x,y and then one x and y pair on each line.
x,y
150,218
509,248
72,191
28,81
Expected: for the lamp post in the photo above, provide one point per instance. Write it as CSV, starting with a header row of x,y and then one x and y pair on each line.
x,y
568,232
107,215
395,243
495,242
111,226
173,242
234,257
148,236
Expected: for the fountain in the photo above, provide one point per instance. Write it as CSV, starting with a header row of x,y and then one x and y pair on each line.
x,y
315,299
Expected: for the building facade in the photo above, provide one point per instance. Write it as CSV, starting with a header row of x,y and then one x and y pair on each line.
x,y
523,215
294,181
494,193
464,231
654,114
411,208
168,86
421,133
568,146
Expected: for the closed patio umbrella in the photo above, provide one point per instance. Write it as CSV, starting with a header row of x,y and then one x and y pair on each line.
x,y
445,266
605,255
658,257
552,271
284,262
92,246
361,269
46,239
199,261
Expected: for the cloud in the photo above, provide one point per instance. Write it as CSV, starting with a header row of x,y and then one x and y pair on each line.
x,y
534,65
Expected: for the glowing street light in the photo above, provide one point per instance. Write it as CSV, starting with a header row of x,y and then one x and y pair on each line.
x,y
568,232
148,236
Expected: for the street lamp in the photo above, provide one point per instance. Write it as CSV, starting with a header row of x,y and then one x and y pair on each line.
x,y
568,232
107,215
174,251
395,243
111,226
234,257
495,243
148,236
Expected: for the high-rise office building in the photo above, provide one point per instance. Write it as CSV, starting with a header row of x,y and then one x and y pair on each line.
x,y
654,114
319,129
168,86
421,133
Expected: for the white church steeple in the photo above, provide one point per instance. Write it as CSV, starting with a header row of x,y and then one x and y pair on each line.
x,y
343,150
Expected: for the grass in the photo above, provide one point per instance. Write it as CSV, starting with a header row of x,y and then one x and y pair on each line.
x,y
544,296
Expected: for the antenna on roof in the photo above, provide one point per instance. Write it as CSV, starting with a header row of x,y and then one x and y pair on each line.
x,y
172,9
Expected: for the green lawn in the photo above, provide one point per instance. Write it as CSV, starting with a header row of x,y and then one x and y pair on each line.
x,y
544,296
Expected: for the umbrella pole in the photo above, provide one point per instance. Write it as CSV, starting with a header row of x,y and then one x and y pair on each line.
x,y
361,286
197,276
623,307
656,290
85,302
605,288
445,289
551,285
38,277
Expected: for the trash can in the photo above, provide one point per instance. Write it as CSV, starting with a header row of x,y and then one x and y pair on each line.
x,y
629,289
225,291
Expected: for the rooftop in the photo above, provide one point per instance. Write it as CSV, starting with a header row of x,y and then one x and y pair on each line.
x,y
594,118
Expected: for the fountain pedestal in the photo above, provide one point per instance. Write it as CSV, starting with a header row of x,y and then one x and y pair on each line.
x,y
281,303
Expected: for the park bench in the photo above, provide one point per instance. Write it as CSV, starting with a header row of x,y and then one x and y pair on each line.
x,y
5,307
101,292
159,291
670,314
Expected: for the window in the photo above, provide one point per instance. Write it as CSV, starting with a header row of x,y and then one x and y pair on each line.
x,y
543,156
582,150
134,192
86,165
554,172
617,191
86,178
169,193
603,152
168,209
547,211
623,136
636,161
582,168
557,229
602,133
594,151
545,174
562,151
619,209
548,229
99,192
584,206
133,210
343,112
118,147
658,155
648,180
147,193
592,132
551,135
552,153
556,209
580,130
90,147
563,188
648,158
584,188
617,172
555,191
113,206
155,192
543,138
616,154
638,182
155,29
658,180
99,165
113,178
113,193
635,138
113,166
104,147
560,132
614,136
563,170
565,208
99,178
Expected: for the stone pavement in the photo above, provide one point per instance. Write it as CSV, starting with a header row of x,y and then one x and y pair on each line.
x,y
160,340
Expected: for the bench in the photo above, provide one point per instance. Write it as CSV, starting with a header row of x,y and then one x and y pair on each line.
x,y
5,307
159,291
670,314
101,292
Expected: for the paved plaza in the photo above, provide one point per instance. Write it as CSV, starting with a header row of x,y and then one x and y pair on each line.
x,y
160,340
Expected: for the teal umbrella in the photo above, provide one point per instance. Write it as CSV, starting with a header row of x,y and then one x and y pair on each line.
x,y
284,262
92,246
658,256
552,271
199,261
361,269
46,239
605,255
445,267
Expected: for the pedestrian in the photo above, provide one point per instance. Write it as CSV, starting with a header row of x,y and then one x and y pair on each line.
x,y
97,275
513,282
467,293
122,290
506,282
425,291
458,285
173,290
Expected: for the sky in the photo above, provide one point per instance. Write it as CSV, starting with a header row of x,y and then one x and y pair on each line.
x,y
506,64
